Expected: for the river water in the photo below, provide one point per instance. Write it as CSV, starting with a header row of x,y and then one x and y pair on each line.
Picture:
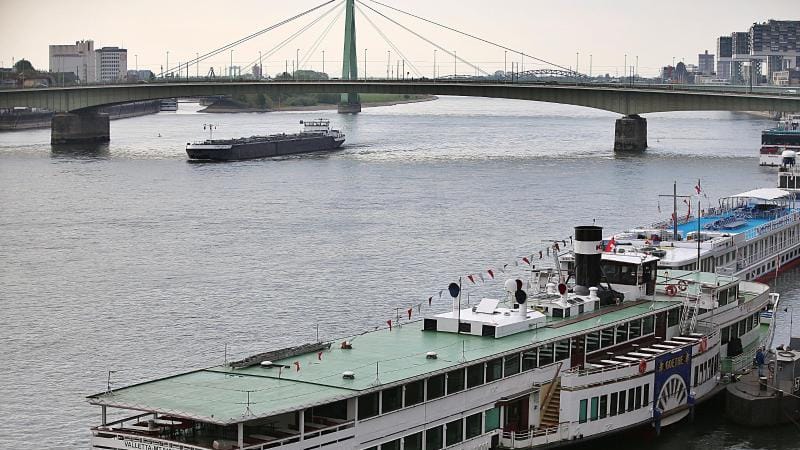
x,y
128,258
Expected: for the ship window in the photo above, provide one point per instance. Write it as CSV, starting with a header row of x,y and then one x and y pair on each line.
x,y
696,376
607,337
648,325
631,398
494,370
613,404
491,420
621,407
722,297
435,386
511,366
582,411
546,354
638,397
558,312
725,336
474,375
673,316
455,381
635,329
433,438
454,432
429,325
474,424
392,399
391,445
562,349
646,395
415,393
593,341
464,327
367,406
413,441
335,410
529,360
593,410
622,333
603,406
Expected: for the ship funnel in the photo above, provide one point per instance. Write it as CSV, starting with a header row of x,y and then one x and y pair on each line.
x,y
588,242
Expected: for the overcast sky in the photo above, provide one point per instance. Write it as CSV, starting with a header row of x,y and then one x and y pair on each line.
x,y
551,30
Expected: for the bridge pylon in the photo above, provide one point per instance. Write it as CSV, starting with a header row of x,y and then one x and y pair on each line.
x,y
350,102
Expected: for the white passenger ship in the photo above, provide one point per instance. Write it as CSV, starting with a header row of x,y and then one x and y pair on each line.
x,y
547,365
752,235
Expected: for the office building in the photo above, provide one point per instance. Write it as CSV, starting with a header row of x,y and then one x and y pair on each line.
x,y
78,59
724,57
705,63
111,64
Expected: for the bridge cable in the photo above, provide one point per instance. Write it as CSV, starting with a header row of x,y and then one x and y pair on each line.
x,y
302,30
320,38
388,41
426,39
246,38
469,35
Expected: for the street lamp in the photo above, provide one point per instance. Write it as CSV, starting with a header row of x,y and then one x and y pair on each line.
x,y
388,62
136,57
505,62
323,61
167,66
230,70
365,64
455,64
297,58
434,64
197,66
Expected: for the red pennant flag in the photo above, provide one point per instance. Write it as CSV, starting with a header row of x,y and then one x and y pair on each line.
x,y
491,274
297,366
471,279
526,260
409,312
389,322
540,254
430,299
319,356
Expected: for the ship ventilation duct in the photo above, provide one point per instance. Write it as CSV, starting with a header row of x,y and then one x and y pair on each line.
x,y
588,245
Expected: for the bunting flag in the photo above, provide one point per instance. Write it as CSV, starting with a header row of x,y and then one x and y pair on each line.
x,y
297,366
689,204
540,254
471,279
409,312
319,356
430,299
698,189
389,322
491,274
526,260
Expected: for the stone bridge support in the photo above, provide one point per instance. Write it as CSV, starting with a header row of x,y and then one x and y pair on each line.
x,y
630,134
89,126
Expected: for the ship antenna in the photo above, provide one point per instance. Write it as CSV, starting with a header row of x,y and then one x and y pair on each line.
x,y
226,354
210,127
108,381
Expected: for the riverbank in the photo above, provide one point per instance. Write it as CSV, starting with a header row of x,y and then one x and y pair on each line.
x,y
228,106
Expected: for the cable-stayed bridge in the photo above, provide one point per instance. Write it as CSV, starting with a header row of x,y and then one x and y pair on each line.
x,y
78,120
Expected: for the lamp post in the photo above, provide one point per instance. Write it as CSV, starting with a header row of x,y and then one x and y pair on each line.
x,y
297,58
455,64
230,70
505,62
260,66
323,61
365,64
625,67
197,65
590,65
136,57
434,64
388,62
167,66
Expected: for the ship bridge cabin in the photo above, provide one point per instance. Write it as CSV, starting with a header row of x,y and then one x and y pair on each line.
x,y
539,366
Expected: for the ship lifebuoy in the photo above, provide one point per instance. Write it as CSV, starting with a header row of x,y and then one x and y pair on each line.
x,y
671,290
642,366
703,344
682,285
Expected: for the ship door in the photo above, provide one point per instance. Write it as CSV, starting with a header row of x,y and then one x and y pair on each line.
x,y
578,356
661,325
517,415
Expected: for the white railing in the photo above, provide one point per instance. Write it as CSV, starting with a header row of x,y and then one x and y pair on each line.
x,y
306,437
117,439
770,252
524,439
779,222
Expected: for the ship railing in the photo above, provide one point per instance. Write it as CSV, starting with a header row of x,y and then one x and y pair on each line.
x,y
133,440
780,222
305,437
525,439
770,252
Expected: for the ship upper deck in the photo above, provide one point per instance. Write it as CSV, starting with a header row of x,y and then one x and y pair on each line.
x,y
379,358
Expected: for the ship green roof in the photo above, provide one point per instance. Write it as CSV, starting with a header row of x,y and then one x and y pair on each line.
x,y
378,359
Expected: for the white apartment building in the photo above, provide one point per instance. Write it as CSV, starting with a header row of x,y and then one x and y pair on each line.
x,y
111,64
78,59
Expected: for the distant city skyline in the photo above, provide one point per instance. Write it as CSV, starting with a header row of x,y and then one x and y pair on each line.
x,y
562,33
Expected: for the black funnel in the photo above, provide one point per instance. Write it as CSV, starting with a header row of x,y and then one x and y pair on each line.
x,y
588,249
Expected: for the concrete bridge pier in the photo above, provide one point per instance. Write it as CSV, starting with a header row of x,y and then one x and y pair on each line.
x,y
630,134
79,127
349,108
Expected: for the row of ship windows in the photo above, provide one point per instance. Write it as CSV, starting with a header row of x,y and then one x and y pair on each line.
x,y
740,328
616,403
451,433
705,371
768,267
437,386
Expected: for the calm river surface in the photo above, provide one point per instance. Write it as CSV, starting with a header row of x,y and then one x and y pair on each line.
x,y
129,258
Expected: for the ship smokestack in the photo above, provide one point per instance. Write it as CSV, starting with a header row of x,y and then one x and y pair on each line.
x,y
588,242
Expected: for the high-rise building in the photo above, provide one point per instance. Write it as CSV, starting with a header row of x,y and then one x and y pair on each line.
x,y
777,43
111,64
78,59
705,63
724,57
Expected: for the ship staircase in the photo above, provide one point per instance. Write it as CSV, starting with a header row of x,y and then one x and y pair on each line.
x,y
689,314
551,405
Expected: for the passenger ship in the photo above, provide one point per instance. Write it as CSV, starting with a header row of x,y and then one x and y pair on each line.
x,y
752,235
781,141
563,357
